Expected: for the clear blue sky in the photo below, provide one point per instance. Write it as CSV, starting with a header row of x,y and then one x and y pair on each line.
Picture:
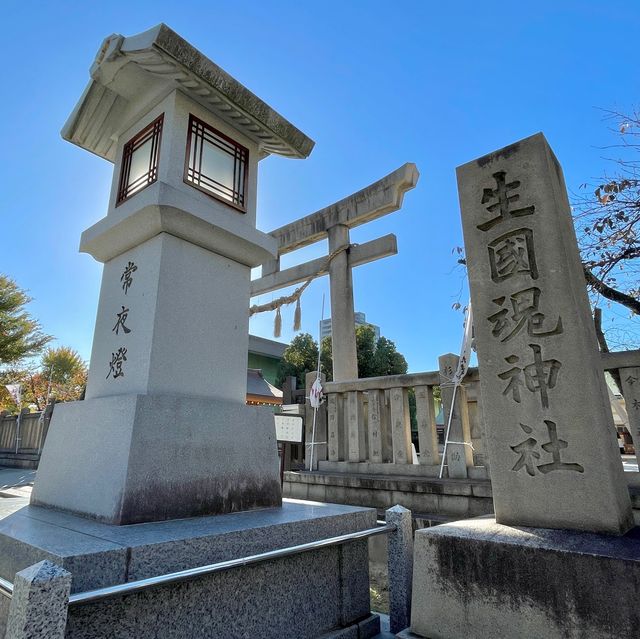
x,y
375,84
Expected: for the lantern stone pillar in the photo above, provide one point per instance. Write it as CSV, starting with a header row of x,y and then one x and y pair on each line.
x,y
164,431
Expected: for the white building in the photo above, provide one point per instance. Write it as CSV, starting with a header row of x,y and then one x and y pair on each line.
x,y
325,326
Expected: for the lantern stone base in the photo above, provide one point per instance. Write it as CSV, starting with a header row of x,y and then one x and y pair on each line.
x,y
479,579
128,459
321,593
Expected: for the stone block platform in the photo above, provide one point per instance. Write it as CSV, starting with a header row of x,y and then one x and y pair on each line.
x,y
322,593
141,458
430,499
478,579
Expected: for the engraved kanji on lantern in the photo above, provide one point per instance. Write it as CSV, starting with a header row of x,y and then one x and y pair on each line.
x,y
117,360
127,276
120,324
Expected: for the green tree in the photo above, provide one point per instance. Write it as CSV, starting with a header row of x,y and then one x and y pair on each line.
x,y
20,334
366,351
300,357
62,375
387,359
374,358
326,358
63,364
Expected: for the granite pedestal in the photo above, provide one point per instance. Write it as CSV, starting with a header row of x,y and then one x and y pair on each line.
x,y
322,593
140,458
479,579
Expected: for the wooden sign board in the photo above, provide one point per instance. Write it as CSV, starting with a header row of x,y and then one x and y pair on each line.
x,y
288,428
292,409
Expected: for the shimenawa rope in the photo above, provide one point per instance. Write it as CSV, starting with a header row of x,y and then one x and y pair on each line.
x,y
286,300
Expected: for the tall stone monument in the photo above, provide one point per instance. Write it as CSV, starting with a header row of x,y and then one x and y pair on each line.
x,y
551,435
163,431
164,437
559,547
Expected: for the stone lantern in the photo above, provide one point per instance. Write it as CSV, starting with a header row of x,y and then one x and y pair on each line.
x,y
164,431
164,439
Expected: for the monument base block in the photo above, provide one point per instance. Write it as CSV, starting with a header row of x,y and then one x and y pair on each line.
x,y
127,459
479,579
322,593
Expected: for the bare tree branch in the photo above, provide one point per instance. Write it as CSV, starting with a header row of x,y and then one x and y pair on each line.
x,y
611,293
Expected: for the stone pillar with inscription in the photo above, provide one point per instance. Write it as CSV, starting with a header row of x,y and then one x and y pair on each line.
x,y
562,506
551,439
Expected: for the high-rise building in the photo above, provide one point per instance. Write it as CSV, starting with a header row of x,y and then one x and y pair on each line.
x,y
325,326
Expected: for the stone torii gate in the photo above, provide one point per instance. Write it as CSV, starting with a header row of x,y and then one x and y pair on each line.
x,y
334,222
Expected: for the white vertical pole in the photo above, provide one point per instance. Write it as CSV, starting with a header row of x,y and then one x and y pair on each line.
x,y
315,408
463,367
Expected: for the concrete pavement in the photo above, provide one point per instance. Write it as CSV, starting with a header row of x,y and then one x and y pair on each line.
x,y
629,463
15,489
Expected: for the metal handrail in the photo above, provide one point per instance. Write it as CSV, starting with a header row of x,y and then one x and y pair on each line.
x,y
90,596
6,588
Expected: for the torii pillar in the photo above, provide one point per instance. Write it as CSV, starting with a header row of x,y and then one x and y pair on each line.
x,y
343,329
334,223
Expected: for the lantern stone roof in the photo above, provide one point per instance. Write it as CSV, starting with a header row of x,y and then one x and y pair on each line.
x,y
140,70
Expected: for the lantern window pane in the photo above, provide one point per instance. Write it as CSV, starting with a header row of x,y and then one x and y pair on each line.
x,y
216,164
140,160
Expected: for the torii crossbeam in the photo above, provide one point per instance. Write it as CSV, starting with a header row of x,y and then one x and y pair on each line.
x,y
334,221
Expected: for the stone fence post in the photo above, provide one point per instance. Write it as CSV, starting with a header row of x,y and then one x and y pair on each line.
x,y
400,567
289,385
630,378
39,603
459,453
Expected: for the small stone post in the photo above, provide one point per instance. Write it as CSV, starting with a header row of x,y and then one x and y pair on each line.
x,y
400,567
39,603
400,426
630,378
427,433
335,427
354,416
46,420
289,385
459,453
